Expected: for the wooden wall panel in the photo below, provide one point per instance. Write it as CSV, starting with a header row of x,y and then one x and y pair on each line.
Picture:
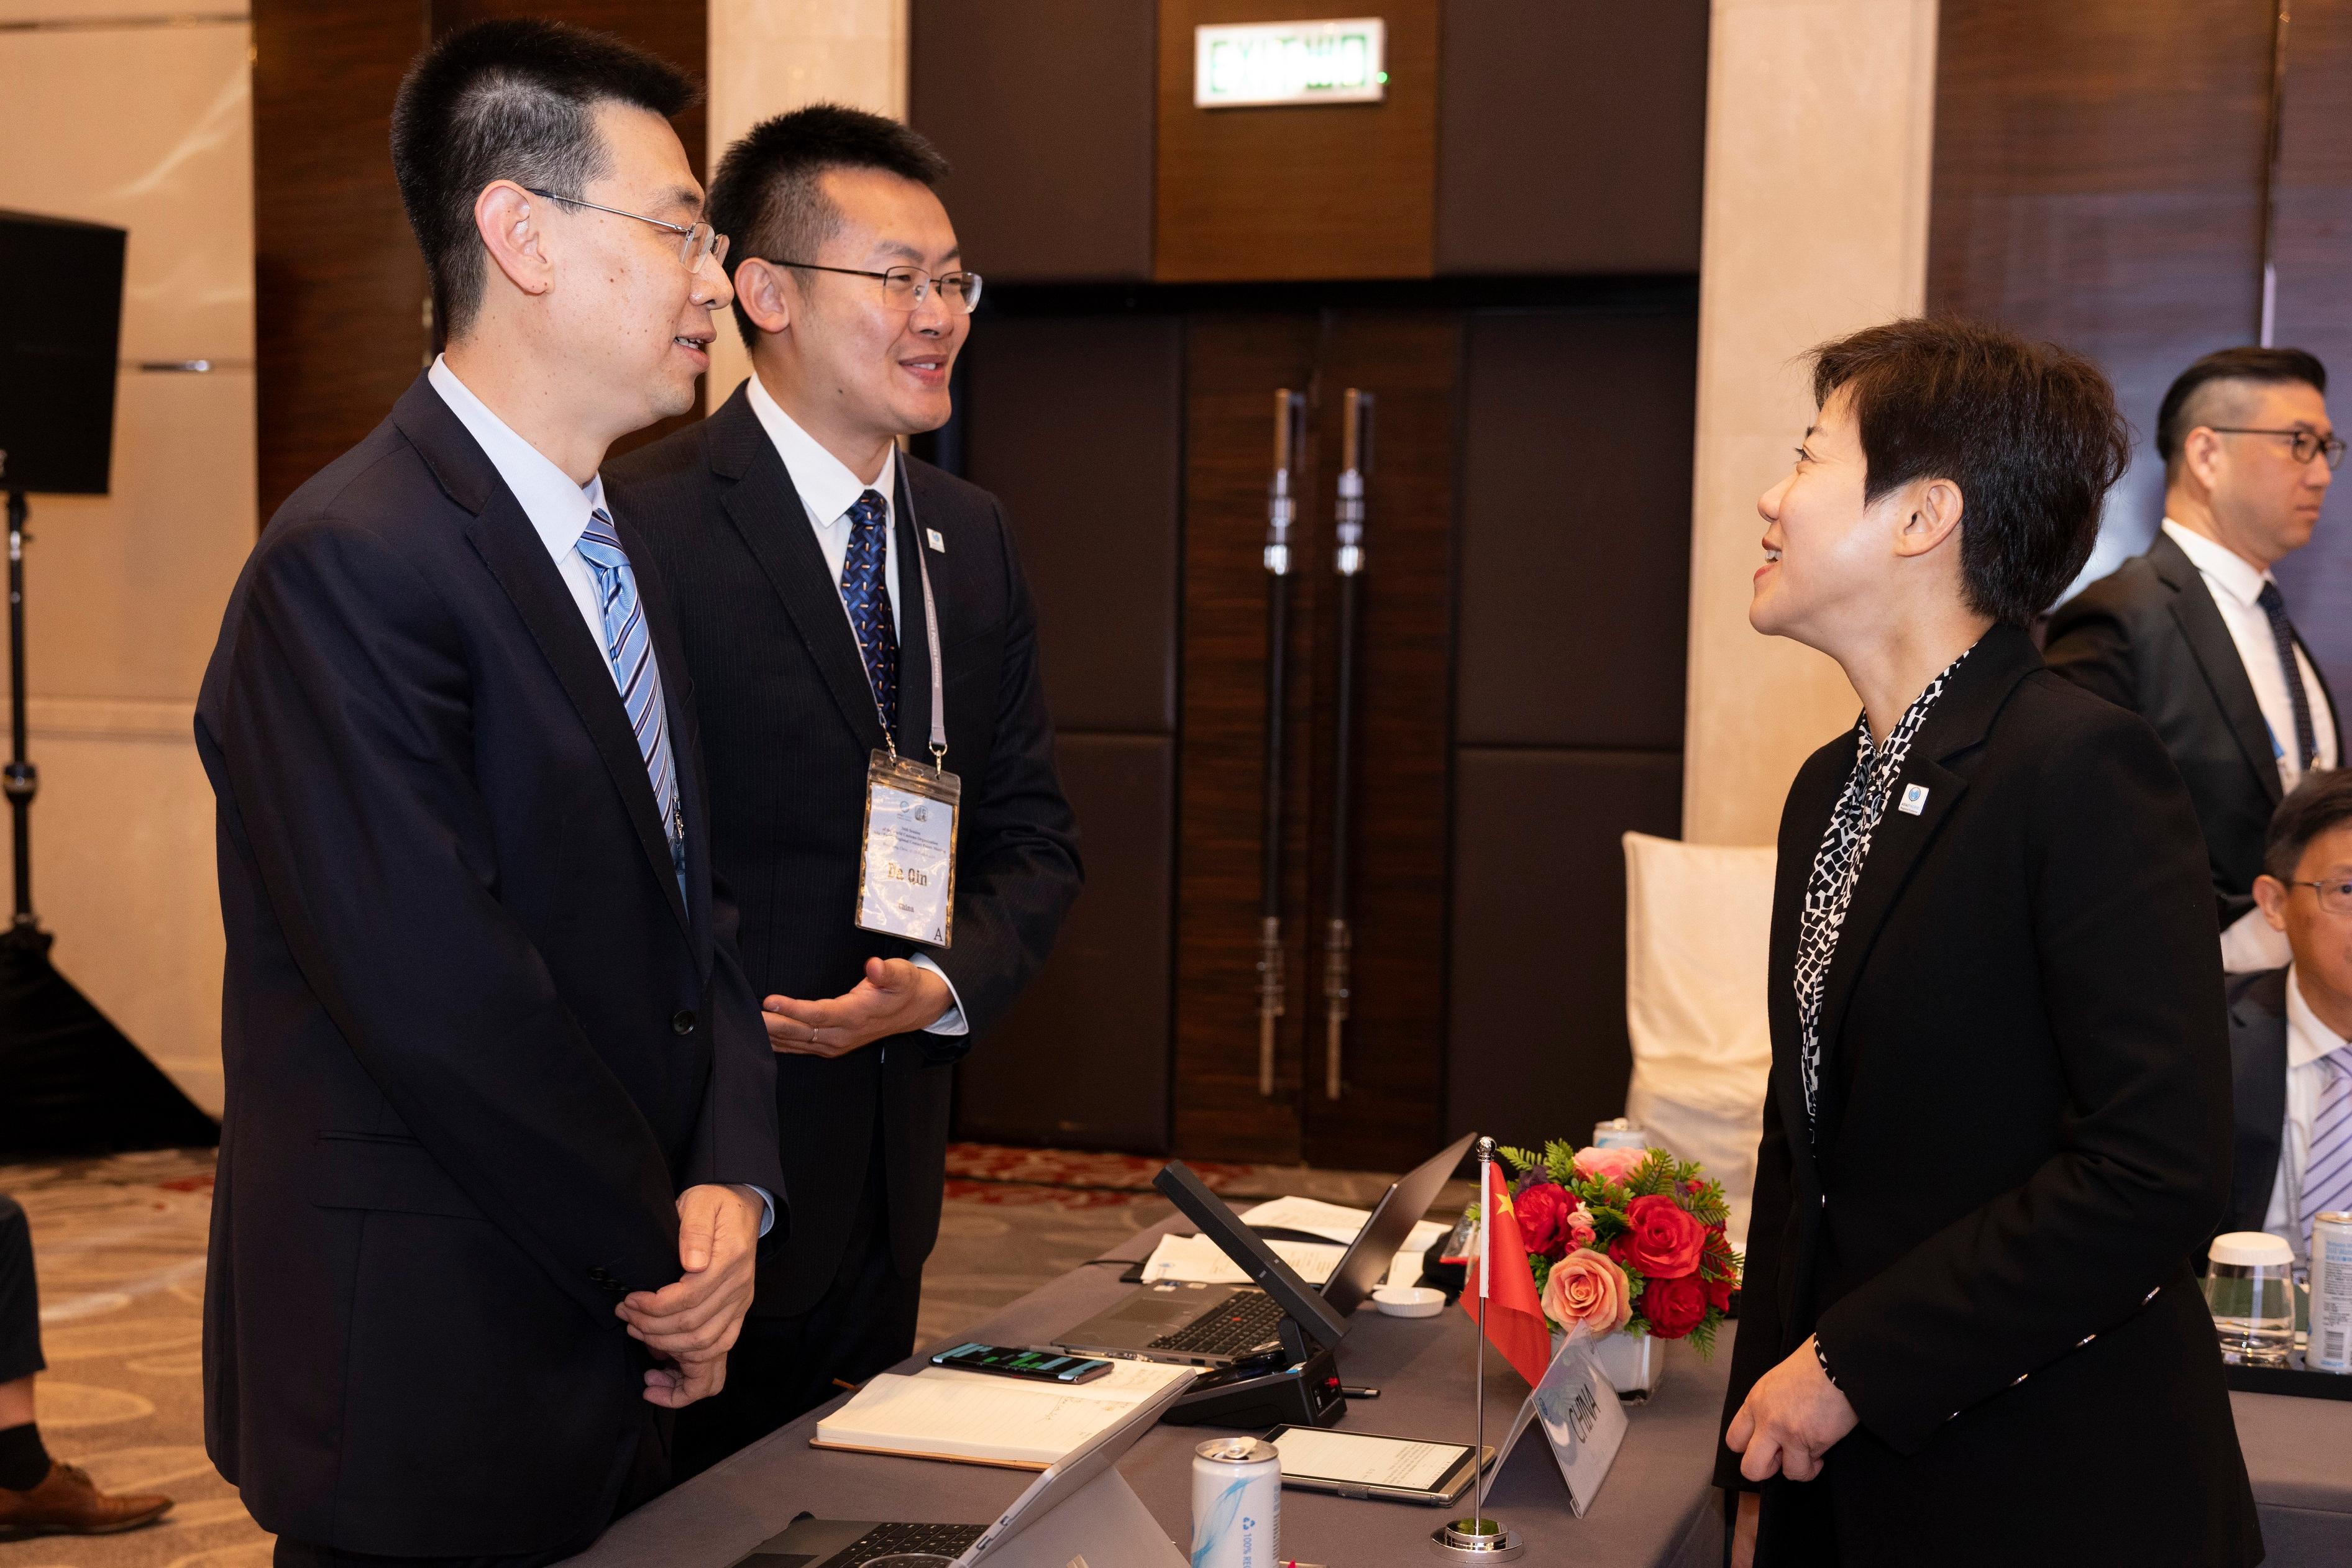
x,y
338,288
2314,252
1536,1025
2097,171
1233,365
1082,1059
1576,496
1571,136
1390,1114
1076,425
1052,182
1326,191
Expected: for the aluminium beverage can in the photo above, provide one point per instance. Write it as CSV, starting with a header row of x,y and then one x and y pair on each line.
x,y
2329,1348
1236,1504
1620,1133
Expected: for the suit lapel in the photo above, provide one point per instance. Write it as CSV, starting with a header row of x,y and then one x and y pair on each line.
x,y
1810,801
767,511
501,534
1958,722
2216,652
2258,1058
914,642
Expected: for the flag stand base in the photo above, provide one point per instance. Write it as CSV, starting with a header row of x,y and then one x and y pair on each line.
x,y
1477,1540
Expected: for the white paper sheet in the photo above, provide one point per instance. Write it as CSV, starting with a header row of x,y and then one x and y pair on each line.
x,y
1196,1260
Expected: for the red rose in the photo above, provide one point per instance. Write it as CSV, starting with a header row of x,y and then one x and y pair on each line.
x,y
1662,1239
1673,1307
1544,1212
1723,1272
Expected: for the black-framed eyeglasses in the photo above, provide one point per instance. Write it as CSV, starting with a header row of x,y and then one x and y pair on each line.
x,y
904,287
695,240
2308,443
2336,897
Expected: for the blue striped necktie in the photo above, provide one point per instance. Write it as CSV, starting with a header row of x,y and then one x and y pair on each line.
x,y
2327,1170
630,650
867,600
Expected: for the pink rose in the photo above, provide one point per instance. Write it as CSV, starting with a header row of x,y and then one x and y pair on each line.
x,y
1661,1239
1609,1164
1587,1288
1543,1210
1580,1227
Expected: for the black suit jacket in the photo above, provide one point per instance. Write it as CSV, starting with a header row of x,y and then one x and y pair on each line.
x,y
2023,1132
2148,637
476,1041
2258,1089
788,725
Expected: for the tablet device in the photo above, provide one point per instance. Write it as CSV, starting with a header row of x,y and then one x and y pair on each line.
x,y
1367,1465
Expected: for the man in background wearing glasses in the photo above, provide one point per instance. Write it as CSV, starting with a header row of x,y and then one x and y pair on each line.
x,y
824,568
2292,1069
500,1140
2194,637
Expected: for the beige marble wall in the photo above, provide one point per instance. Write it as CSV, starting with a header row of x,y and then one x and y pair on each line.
x,y
1819,121
770,55
115,113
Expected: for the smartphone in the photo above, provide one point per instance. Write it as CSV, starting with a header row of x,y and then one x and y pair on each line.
x,y
1041,1365
1365,1465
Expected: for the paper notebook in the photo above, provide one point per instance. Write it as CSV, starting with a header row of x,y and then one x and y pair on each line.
x,y
973,1419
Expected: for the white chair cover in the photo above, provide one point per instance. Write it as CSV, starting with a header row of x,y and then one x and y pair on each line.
x,y
1698,921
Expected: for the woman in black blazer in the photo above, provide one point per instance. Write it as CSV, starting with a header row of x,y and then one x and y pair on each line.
x,y
1998,1119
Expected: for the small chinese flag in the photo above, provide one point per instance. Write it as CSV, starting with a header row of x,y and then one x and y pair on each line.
x,y
1515,1322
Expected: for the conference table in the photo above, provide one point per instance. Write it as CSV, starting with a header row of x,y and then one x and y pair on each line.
x,y
1658,1508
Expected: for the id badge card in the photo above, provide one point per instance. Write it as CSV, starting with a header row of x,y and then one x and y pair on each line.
x,y
905,876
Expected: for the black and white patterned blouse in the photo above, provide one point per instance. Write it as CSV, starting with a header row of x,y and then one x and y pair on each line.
x,y
1837,866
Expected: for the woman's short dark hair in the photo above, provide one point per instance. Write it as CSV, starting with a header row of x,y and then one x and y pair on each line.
x,y
510,99
2027,431
2322,801
767,196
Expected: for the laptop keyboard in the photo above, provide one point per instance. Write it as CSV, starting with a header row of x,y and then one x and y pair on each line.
x,y
1250,1321
947,1540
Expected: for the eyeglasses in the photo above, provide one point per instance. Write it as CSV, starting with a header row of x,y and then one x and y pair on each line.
x,y
904,287
695,240
2308,443
2336,897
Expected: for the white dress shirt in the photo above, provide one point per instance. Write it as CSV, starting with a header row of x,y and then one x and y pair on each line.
x,y
558,510
2307,1040
827,490
2235,585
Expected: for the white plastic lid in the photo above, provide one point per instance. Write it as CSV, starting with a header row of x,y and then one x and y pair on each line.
x,y
2253,1249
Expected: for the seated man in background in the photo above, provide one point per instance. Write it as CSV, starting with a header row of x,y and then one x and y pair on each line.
x,y
38,1495
2292,1070
2194,637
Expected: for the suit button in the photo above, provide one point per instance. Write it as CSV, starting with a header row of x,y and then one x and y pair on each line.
x,y
682,1021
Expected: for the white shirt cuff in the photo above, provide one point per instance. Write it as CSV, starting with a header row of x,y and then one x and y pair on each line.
x,y
2250,944
951,1021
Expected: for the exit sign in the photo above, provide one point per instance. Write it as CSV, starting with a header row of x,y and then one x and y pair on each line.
x,y
1289,62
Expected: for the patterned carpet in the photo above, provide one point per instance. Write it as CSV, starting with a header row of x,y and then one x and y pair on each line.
x,y
120,1247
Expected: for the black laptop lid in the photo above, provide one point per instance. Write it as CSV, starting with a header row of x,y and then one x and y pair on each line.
x,y
1400,1208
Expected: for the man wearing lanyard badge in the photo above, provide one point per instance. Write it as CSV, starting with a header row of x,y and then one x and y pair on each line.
x,y
864,657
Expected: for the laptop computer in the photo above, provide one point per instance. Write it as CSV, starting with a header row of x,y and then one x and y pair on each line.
x,y
808,1543
1222,1324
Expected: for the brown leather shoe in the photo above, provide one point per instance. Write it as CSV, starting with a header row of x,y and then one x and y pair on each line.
x,y
67,1502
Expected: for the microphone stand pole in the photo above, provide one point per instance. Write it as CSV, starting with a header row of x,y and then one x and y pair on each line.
x,y
1339,937
1289,438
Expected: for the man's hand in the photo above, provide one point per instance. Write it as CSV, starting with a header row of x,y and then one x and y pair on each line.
x,y
1791,1419
692,1324
895,998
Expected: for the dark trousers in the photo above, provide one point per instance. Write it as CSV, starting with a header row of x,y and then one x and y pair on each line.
x,y
644,1478
20,1300
783,1367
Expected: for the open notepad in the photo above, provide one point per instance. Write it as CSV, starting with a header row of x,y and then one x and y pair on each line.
x,y
941,1414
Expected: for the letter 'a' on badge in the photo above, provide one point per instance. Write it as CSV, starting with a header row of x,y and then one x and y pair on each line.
x,y
1915,800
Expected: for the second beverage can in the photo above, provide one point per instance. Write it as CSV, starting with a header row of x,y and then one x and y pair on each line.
x,y
1236,1504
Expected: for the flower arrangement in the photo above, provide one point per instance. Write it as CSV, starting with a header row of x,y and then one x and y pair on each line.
x,y
1624,1238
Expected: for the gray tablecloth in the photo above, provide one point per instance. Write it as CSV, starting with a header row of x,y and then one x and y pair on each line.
x,y
1657,1506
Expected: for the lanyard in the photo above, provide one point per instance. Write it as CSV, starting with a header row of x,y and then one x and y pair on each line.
x,y
906,489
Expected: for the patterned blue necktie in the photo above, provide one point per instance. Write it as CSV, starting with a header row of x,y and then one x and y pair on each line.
x,y
629,648
868,603
2306,739
2327,1167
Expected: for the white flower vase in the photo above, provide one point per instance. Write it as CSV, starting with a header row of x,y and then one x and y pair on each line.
x,y
1634,1363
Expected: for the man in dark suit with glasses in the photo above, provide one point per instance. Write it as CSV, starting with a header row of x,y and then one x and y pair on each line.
x,y
2194,636
859,614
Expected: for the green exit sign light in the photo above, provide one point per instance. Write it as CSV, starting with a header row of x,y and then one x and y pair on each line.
x,y
1263,63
